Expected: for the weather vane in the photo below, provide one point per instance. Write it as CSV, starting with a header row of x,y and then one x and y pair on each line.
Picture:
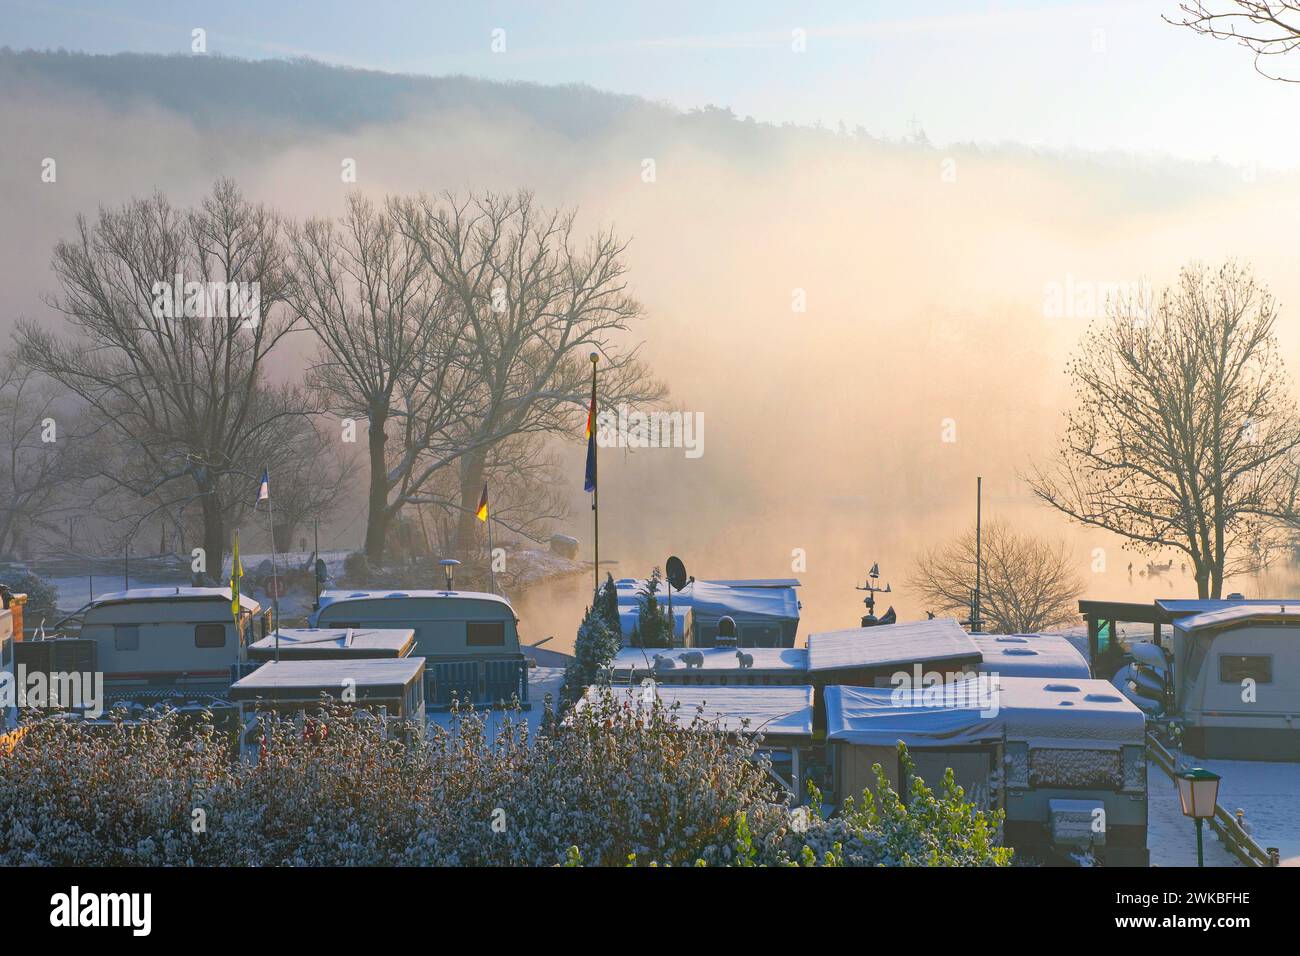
x,y
872,587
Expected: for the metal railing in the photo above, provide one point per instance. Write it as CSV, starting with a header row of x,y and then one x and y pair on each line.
x,y
1237,841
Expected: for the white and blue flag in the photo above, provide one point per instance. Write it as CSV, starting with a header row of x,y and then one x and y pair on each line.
x,y
264,489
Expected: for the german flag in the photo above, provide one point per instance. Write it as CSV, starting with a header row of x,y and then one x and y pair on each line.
x,y
482,513
589,479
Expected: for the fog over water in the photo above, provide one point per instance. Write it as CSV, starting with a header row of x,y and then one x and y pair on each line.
x,y
925,272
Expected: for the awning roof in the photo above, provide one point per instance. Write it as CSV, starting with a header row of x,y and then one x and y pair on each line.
x,y
1067,712
941,639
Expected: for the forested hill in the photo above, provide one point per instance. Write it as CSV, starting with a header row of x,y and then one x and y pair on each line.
x,y
215,90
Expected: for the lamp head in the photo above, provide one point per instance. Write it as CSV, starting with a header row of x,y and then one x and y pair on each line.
x,y
1198,791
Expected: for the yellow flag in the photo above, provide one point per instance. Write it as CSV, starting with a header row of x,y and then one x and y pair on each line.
x,y
236,573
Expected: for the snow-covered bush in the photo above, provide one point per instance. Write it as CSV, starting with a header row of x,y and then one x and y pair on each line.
x,y
593,650
932,829
611,784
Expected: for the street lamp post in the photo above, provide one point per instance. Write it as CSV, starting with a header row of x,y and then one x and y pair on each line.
x,y
1198,790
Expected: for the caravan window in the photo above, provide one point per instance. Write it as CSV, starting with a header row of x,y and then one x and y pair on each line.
x,y
126,637
210,635
1235,668
485,633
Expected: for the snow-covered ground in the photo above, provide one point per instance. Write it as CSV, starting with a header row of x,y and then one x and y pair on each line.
x,y
1171,837
1269,792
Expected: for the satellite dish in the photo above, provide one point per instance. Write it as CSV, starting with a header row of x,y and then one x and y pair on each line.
x,y
676,573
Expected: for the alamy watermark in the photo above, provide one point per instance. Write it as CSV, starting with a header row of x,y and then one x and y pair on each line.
x,y
38,689
929,689
208,300
1091,299
621,428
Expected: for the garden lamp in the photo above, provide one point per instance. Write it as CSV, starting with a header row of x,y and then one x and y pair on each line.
x,y
1198,790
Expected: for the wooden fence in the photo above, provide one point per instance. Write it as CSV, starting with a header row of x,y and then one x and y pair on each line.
x,y
1238,842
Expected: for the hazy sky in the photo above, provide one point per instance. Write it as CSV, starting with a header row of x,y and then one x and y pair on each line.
x,y
1086,75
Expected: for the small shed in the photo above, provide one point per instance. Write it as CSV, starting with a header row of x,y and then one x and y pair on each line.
x,y
333,643
394,684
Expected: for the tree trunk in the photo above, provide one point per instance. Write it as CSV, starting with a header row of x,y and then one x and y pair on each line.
x,y
1202,579
285,531
377,516
472,468
214,535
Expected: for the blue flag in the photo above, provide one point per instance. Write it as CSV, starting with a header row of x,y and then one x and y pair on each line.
x,y
589,484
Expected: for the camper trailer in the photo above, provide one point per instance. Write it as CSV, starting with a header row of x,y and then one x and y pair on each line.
x,y
469,640
175,640
1236,681
1030,655
1056,755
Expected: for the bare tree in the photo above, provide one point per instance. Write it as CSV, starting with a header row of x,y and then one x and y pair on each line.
x,y
536,304
42,457
1270,29
310,470
1027,584
390,349
1185,431
175,374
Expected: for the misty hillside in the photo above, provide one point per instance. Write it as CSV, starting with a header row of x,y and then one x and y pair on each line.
x,y
925,292
216,90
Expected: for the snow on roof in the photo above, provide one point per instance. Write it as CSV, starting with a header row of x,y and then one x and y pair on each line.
x,y
1045,710
628,615
295,641
337,596
715,658
940,639
1030,655
774,710
1176,606
174,594
313,675
756,582
1274,611
713,599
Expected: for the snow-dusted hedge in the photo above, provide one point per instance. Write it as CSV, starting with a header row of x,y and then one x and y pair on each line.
x,y
606,787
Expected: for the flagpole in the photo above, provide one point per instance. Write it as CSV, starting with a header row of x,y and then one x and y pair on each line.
x,y
595,491
492,574
275,574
